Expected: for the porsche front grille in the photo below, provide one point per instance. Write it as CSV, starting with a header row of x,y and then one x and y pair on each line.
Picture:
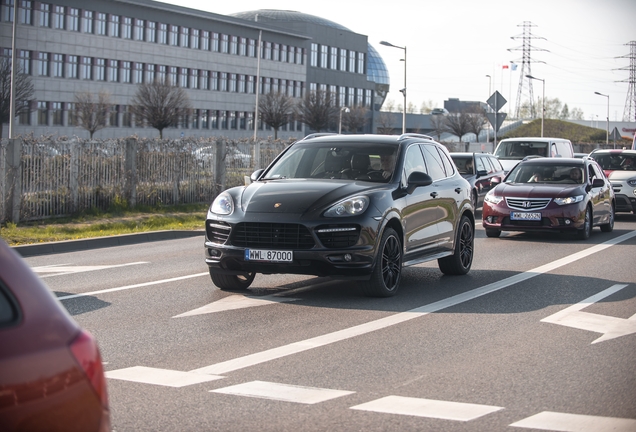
x,y
261,235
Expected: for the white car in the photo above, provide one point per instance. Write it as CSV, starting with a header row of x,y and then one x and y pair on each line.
x,y
620,168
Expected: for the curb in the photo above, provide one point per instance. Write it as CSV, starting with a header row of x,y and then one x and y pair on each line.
x,y
101,242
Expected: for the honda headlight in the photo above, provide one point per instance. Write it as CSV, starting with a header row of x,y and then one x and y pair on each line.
x,y
223,204
569,200
349,207
492,198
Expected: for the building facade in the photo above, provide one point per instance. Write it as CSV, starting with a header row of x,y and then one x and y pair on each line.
x,y
72,46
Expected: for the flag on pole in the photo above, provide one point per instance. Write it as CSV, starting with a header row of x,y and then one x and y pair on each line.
x,y
504,67
514,66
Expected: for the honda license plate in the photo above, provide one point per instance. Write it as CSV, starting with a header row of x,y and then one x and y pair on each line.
x,y
523,216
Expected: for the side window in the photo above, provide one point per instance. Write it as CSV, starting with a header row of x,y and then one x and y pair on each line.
x,y
448,165
553,150
8,308
495,163
413,161
481,166
433,162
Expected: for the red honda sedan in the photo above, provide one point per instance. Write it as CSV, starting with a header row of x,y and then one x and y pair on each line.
x,y
51,374
551,194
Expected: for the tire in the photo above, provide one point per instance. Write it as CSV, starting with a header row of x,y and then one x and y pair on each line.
x,y
460,262
387,272
495,233
586,231
232,282
609,227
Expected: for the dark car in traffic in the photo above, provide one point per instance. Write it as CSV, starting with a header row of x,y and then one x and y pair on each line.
x,y
51,373
356,207
480,169
551,194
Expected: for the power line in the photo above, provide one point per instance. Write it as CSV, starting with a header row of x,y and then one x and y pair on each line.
x,y
629,113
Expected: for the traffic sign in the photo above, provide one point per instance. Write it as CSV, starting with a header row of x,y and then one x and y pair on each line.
x,y
496,101
500,118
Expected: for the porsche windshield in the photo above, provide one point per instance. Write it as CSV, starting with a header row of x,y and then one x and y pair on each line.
x,y
357,161
548,173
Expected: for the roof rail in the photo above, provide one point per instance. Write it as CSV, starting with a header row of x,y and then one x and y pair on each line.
x,y
414,135
316,135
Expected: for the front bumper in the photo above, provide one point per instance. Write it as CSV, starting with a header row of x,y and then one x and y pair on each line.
x,y
553,218
625,203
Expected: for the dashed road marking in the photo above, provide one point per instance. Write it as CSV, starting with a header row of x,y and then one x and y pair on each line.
x,y
283,392
427,408
236,302
64,269
162,377
562,422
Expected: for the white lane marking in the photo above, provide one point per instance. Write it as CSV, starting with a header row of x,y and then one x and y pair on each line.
x,y
427,408
163,377
64,269
611,327
283,392
236,301
127,287
562,422
382,323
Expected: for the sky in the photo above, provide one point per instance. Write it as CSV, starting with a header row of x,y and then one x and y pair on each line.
x,y
453,45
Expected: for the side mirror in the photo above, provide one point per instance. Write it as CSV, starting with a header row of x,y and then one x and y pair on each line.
x,y
256,174
481,173
597,182
417,179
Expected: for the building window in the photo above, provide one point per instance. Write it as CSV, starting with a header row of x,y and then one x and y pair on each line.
x,y
352,61
126,28
215,42
204,119
276,52
251,48
194,78
139,29
299,55
283,53
314,55
56,113
172,75
24,61
267,55
112,120
72,115
194,42
125,72
150,73
274,85
113,70
223,119
214,81
58,17
24,113
87,22
334,58
43,64
183,81
368,98
174,35
113,29
151,31
233,86
342,96
100,69
73,19
25,12
241,83
58,66
126,116
72,65
205,80
290,54
343,59
205,40
266,85
185,37
138,74
323,56
223,82
163,34
44,15
214,119
86,68
242,47
234,45
360,63
225,44
43,114
250,84
101,24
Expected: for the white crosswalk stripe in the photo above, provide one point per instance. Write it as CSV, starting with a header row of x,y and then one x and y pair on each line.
x,y
283,392
562,422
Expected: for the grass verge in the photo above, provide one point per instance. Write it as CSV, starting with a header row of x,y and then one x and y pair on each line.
x,y
110,223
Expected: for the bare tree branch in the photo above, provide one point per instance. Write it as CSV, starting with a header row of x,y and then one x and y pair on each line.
x,y
23,92
274,110
91,112
317,110
160,104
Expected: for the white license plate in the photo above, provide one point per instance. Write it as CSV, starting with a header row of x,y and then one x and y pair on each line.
x,y
268,255
525,216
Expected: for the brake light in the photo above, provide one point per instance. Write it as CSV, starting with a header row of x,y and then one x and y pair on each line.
x,y
85,350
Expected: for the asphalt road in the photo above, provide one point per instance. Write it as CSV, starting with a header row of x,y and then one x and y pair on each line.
x,y
540,335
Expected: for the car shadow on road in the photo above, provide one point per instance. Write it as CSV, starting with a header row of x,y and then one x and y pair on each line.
x,y
80,305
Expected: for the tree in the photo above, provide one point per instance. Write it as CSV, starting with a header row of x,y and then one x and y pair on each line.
x,y
385,123
438,124
23,92
457,124
92,113
426,107
356,118
317,110
274,110
389,105
411,108
476,122
160,104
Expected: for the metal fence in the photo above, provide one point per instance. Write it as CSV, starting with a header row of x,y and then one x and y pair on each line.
x,y
46,177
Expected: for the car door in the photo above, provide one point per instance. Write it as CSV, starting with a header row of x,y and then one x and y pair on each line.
x,y
482,182
600,196
420,213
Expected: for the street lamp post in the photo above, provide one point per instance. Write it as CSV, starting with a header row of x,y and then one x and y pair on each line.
x,y
403,91
487,129
343,109
607,136
542,100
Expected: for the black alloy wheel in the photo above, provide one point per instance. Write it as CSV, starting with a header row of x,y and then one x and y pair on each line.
x,y
232,282
585,232
460,262
609,226
385,278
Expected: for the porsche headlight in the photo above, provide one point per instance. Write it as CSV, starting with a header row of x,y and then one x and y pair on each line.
x,y
223,204
569,200
492,198
349,207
